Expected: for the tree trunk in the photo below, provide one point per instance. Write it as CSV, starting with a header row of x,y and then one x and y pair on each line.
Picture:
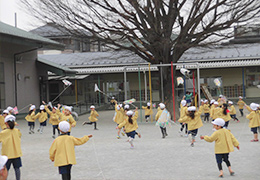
x,y
167,91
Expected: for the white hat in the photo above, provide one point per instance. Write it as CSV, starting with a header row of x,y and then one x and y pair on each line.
x,y
41,107
64,126
183,102
205,101
162,106
216,102
126,106
119,106
212,101
201,100
192,108
9,108
113,97
129,113
55,107
230,102
240,97
9,118
3,160
254,106
220,95
148,104
32,107
68,108
92,106
219,122
5,111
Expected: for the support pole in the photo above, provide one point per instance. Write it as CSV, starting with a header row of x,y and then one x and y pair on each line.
x,y
243,77
161,68
76,91
140,91
198,76
173,98
125,83
150,86
184,83
145,86
99,96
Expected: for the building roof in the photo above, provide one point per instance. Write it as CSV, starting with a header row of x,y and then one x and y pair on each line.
x,y
19,36
52,30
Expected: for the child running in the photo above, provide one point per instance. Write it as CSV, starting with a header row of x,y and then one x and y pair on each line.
x,y
214,111
92,118
147,111
223,113
42,116
54,119
232,111
66,116
130,124
241,105
224,144
62,150
254,120
163,118
206,110
194,122
119,117
11,145
31,119
183,113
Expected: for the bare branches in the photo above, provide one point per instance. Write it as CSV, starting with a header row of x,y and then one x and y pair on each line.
x,y
156,30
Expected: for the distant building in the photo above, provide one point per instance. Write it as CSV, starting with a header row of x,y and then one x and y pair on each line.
x,y
74,42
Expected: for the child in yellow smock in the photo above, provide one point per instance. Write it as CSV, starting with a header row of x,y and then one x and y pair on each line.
x,y
66,116
148,111
232,111
2,119
183,113
30,118
254,120
130,124
162,119
223,113
62,150
92,118
224,144
54,120
11,145
42,117
194,122
119,117
241,105
214,111
206,110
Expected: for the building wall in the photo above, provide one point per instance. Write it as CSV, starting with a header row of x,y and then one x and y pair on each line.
x,y
28,82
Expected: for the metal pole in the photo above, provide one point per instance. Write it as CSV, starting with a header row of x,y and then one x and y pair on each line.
x,y
150,86
198,74
76,91
243,77
145,87
162,83
99,96
140,95
125,83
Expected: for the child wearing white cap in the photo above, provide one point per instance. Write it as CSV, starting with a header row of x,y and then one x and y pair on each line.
x,y
3,169
119,117
232,111
54,119
194,122
11,145
214,111
224,113
254,120
92,118
206,110
31,118
42,117
130,124
162,119
2,119
62,150
224,144
66,116
241,105
183,113
148,111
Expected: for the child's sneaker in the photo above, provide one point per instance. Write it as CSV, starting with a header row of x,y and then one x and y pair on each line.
x,y
118,137
30,132
192,144
38,130
84,123
53,136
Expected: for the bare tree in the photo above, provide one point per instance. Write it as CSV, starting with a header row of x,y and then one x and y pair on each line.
x,y
156,30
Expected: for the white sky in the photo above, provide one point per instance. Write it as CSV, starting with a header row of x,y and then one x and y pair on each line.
x,y
7,10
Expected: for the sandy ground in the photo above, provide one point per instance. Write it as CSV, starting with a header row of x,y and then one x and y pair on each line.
x,y
106,157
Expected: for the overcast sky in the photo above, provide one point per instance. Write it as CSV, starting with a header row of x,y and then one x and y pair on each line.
x,y
7,10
